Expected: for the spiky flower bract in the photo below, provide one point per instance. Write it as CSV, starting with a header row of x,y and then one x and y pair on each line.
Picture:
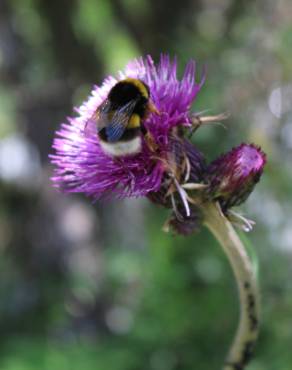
x,y
185,217
82,166
233,176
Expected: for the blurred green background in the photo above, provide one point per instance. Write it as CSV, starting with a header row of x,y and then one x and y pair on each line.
x,y
82,287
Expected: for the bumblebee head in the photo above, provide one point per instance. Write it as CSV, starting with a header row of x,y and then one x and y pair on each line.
x,y
127,90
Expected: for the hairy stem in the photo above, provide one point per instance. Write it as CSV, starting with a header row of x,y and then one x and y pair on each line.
x,y
247,332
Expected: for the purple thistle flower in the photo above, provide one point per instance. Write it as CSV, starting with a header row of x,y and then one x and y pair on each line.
x,y
233,176
82,166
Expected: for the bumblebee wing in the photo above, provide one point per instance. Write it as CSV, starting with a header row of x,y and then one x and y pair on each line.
x,y
119,121
103,115
98,120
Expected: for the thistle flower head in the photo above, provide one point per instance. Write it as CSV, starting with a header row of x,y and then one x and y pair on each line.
x,y
82,166
233,176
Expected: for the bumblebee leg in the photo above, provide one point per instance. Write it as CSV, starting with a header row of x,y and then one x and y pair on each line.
x,y
150,142
152,108
198,121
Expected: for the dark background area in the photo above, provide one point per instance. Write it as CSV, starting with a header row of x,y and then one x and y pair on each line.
x,y
82,287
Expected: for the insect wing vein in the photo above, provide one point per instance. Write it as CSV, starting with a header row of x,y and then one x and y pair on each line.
x,y
119,121
98,120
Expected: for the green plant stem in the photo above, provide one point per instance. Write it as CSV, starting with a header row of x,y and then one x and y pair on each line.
x,y
242,347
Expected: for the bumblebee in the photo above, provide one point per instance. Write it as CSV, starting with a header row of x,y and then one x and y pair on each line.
x,y
119,118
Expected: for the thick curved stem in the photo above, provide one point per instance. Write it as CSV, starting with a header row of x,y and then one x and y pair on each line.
x,y
247,332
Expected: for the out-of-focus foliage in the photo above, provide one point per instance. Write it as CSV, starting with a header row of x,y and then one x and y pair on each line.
x,y
82,287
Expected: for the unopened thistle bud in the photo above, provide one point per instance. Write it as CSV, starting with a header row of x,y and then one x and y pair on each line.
x,y
232,177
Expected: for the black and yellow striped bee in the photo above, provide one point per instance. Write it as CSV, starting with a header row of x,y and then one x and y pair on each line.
x,y
119,118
